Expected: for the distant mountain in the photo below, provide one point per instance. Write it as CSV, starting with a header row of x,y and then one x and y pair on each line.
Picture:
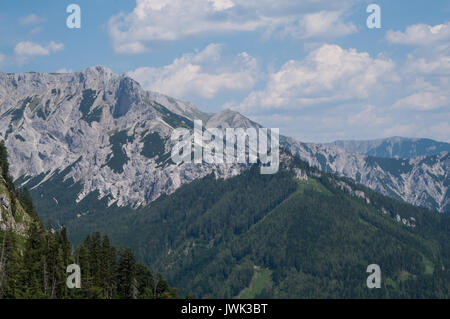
x,y
395,147
421,181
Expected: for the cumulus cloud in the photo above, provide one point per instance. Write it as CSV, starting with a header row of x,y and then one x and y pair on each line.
x,y
323,24
35,30
367,122
28,48
171,20
424,101
408,129
336,92
344,93
420,35
369,116
439,65
426,71
203,74
31,19
440,130
328,74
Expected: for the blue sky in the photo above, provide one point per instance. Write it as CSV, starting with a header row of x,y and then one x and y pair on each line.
x,y
311,68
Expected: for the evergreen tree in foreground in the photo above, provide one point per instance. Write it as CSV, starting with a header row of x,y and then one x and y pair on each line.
x,y
35,266
38,270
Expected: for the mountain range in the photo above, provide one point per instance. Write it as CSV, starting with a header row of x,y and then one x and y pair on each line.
x,y
93,148
395,147
109,136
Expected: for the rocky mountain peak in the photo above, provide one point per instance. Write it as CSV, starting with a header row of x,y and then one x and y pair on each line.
x,y
105,134
230,118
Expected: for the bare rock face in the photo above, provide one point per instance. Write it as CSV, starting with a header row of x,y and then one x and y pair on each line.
x,y
421,181
4,201
102,131
17,221
128,95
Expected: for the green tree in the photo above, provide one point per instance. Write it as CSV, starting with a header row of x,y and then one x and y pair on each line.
x,y
127,283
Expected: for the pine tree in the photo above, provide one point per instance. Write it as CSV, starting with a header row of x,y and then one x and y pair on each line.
x,y
9,266
27,202
4,165
108,268
33,263
127,284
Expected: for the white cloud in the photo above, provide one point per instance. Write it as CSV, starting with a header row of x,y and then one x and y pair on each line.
x,y
440,130
2,58
31,19
367,122
420,34
323,24
424,101
171,20
343,93
220,5
131,48
426,71
35,30
439,65
64,70
28,48
203,74
328,74
370,116
409,129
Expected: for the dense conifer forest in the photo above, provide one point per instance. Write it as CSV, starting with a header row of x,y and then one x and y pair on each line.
x,y
277,236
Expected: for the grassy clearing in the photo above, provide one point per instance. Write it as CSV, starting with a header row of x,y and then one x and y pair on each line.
x,y
261,279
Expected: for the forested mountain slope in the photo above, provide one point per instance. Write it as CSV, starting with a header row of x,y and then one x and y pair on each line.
x,y
296,234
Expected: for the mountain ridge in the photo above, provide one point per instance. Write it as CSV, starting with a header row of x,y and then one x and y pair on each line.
x,y
108,134
395,147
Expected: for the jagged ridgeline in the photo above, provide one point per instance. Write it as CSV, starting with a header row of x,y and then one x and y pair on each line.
x,y
94,134
300,233
33,260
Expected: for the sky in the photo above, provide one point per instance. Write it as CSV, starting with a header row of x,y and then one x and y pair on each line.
x,y
312,68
